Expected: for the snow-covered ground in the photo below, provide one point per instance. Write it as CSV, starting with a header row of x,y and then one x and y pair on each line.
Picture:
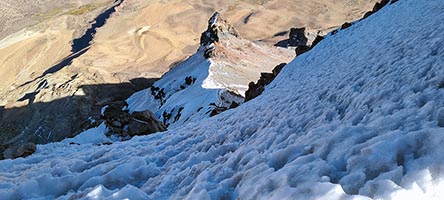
x,y
360,116
186,96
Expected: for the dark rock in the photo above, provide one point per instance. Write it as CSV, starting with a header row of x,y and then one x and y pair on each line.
x,y
367,14
266,78
256,89
229,100
122,123
144,116
166,116
380,5
345,25
278,69
179,113
211,34
217,110
21,150
316,41
301,38
189,80
234,105
384,2
217,29
199,109
158,94
334,32
143,123
253,91
301,49
115,116
297,37
209,52
441,84
377,7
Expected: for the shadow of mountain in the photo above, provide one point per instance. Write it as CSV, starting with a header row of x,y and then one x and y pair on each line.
x,y
282,43
282,33
44,122
80,45
65,62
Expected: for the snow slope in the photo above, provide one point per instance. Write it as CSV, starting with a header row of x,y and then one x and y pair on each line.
x,y
360,116
183,101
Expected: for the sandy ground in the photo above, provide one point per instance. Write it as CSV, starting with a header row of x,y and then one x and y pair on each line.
x,y
145,38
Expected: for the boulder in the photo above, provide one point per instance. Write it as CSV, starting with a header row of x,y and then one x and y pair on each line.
x,y
316,41
256,89
143,123
115,116
297,37
301,49
124,124
278,69
302,37
380,5
367,14
345,25
20,150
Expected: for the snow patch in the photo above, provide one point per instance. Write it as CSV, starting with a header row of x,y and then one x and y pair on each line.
x,y
95,135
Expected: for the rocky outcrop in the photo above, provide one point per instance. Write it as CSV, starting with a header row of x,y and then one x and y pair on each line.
x,y
345,25
18,150
301,49
316,41
143,123
217,29
126,125
256,89
298,37
302,39
378,7
219,109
